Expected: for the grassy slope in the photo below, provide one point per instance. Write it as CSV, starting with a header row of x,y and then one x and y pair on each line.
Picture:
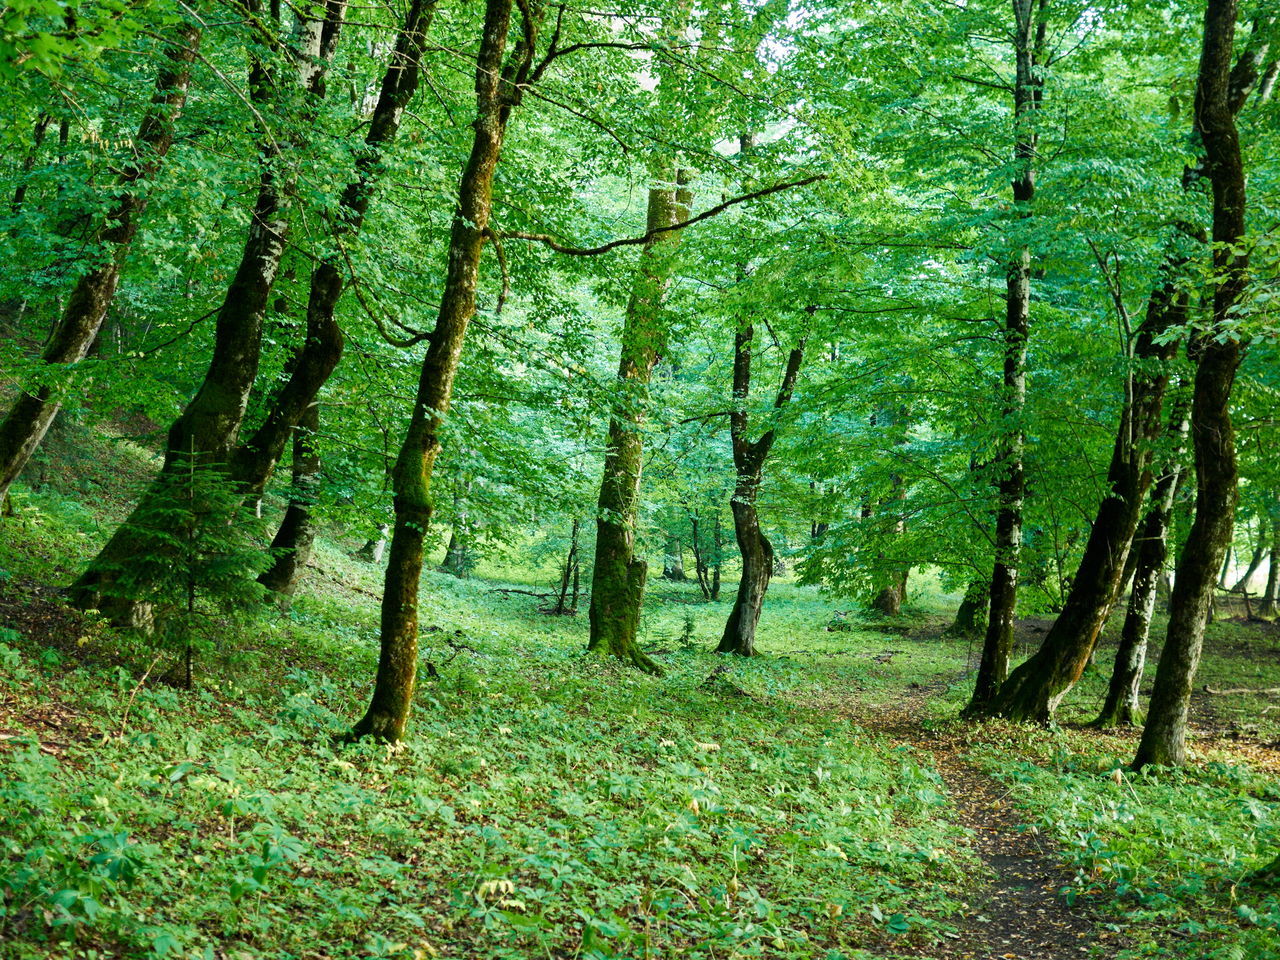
x,y
548,804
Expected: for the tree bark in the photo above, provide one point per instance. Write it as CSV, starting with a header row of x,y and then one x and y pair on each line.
x,y
1033,691
569,572
498,91
28,420
972,613
207,430
618,576
1217,353
255,459
1151,548
749,458
291,547
997,645
1268,608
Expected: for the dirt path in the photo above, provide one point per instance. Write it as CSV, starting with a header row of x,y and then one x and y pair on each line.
x,y
1016,915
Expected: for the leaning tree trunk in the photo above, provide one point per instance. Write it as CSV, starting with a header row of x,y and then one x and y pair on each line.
x,y
618,576
209,426
1255,560
997,645
291,547
1033,691
749,458
1217,353
498,91
1151,548
29,418
256,458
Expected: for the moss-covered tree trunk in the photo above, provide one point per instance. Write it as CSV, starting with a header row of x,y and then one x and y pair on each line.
x,y
749,458
971,614
291,546
618,576
32,413
1033,691
498,91
1151,547
321,350
1217,353
208,428
997,647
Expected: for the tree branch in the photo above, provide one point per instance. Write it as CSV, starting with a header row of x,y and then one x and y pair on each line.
x,y
646,237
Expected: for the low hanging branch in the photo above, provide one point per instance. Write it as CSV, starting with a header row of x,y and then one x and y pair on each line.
x,y
646,237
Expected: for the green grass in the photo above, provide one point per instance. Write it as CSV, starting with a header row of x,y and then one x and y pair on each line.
x,y
552,805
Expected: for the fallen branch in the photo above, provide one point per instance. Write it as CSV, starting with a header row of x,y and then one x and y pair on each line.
x,y
1269,691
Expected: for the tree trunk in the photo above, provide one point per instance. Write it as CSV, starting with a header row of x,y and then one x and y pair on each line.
x,y
617,579
1268,608
972,612
1255,560
1033,691
718,542
457,555
29,418
374,547
570,572
315,361
1217,354
757,568
700,568
291,547
498,91
673,560
1151,548
1011,488
749,458
207,430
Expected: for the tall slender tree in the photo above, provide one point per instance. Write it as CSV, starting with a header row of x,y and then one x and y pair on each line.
x,y
1030,30
499,89
1217,352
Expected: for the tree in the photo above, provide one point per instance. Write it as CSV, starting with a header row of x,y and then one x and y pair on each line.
x,y
31,415
1029,37
1217,352
499,88
209,425
618,576
749,457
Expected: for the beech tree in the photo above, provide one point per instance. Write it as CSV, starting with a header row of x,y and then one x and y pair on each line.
x,y
1217,352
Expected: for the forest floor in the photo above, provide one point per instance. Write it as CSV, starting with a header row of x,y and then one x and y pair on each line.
x,y
820,802
1018,912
